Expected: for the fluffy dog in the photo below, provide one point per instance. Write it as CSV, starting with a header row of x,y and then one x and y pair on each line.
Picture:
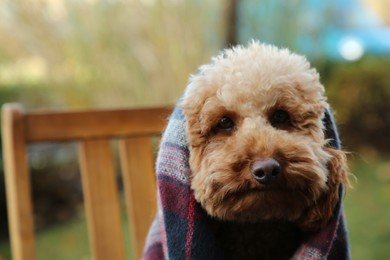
x,y
259,155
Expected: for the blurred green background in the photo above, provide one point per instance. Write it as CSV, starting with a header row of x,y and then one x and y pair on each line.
x,y
57,54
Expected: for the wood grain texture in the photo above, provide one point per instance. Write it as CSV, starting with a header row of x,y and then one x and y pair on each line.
x,y
17,179
137,162
42,126
101,200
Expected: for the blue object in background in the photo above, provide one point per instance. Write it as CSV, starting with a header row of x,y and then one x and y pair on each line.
x,y
334,29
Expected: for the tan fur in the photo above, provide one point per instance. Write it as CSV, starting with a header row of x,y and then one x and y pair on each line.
x,y
248,84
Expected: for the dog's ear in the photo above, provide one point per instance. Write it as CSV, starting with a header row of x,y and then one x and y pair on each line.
x,y
337,166
321,212
317,216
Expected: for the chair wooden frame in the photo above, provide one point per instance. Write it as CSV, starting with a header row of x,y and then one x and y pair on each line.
x,y
93,130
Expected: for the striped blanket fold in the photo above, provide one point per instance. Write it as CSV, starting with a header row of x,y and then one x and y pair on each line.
x,y
181,228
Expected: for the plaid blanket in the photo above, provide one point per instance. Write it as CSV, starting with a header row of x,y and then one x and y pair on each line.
x,y
181,229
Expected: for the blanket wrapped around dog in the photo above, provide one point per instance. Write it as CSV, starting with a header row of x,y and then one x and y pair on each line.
x,y
181,229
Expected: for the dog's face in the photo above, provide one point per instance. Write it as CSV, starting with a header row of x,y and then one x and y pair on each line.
x,y
256,139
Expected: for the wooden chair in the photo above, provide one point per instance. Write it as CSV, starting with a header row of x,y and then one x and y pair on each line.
x,y
93,130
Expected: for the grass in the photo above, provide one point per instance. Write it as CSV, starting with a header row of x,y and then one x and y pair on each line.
x,y
72,237
366,205
368,212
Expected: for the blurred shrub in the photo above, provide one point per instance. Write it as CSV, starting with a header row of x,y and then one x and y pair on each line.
x,y
56,184
360,95
105,52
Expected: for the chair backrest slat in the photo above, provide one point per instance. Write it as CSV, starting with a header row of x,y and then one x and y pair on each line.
x,y
101,199
93,130
137,167
42,126
17,180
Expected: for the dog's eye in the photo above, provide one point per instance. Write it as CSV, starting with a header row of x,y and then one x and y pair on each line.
x,y
279,117
225,124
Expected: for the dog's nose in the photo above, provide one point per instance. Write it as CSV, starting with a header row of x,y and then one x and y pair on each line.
x,y
266,171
